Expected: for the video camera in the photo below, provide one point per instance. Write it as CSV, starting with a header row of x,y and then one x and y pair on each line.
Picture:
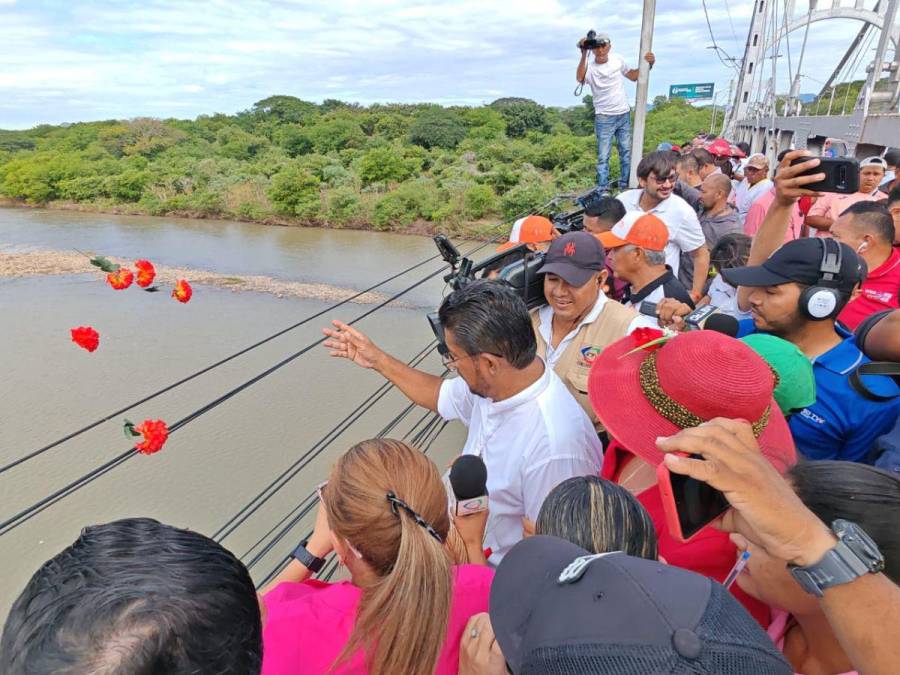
x,y
516,266
591,42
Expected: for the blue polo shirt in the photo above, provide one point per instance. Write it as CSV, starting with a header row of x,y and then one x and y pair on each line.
x,y
842,423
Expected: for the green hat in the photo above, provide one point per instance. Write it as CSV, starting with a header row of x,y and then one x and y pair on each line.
x,y
796,384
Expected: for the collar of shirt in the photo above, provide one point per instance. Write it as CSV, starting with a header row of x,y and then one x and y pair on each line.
x,y
545,314
635,298
632,201
843,357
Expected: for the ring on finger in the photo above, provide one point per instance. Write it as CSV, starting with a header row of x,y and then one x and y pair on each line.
x,y
473,633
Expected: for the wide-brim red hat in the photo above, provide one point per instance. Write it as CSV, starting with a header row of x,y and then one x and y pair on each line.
x,y
707,373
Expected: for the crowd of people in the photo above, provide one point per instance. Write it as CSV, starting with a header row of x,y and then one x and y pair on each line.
x,y
586,412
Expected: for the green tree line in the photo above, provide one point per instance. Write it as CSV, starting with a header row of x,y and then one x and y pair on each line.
x,y
334,164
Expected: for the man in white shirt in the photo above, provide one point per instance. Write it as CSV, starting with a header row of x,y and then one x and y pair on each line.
x,y
522,421
657,176
756,183
612,113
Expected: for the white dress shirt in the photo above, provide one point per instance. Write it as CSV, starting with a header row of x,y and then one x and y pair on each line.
x,y
529,442
685,233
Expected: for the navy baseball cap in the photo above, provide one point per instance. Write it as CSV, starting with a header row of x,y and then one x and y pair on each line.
x,y
800,261
575,257
557,610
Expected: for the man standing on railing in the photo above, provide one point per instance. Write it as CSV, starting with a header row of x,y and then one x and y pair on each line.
x,y
611,109
522,421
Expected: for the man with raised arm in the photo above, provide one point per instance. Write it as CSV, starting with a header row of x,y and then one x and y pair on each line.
x,y
612,113
522,421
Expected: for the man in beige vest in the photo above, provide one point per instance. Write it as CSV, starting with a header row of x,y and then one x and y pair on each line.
x,y
579,321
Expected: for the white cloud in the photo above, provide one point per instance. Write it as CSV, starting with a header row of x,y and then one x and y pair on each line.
x,y
91,59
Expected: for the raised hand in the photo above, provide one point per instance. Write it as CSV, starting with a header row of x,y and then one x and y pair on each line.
x,y
765,510
788,179
346,342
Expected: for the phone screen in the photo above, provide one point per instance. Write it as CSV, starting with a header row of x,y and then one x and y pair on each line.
x,y
697,503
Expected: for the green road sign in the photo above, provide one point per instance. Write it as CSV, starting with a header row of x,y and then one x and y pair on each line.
x,y
691,90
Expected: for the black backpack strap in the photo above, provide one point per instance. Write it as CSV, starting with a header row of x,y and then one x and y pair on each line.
x,y
874,368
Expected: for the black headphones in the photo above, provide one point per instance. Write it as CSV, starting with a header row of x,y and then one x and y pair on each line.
x,y
823,300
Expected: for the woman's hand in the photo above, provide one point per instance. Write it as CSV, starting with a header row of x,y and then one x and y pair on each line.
x,y
471,530
479,653
320,543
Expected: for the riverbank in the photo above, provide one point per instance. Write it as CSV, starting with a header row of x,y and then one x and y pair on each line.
x,y
32,263
477,231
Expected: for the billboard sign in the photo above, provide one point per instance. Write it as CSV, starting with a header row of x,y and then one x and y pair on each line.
x,y
692,91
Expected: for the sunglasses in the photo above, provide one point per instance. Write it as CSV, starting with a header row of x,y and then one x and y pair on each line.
x,y
671,178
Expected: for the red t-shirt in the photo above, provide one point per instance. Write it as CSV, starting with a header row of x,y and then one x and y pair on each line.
x,y
878,292
710,553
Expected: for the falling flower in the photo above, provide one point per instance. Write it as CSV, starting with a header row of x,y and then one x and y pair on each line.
x,y
86,337
155,433
120,279
146,272
183,291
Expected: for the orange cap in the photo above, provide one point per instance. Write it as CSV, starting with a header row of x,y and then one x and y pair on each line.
x,y
528,230
639,229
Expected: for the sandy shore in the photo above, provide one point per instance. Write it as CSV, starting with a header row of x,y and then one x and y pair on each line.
x,y
44,263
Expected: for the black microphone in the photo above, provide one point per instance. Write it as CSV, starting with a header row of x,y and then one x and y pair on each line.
x,y
468,480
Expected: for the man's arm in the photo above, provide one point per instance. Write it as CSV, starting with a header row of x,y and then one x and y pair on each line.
x,y
819,222
864,613
581,72
819,216
701,271
634,72
789,183
419,387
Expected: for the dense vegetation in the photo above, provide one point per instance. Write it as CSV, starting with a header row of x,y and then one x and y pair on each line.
x,y
335,164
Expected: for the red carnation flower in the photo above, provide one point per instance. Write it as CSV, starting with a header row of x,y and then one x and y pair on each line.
x,y
155,433
183,291
120,279
649,339
86,337
146,272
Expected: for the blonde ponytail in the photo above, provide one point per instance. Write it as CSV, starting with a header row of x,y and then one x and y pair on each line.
x,y
402,618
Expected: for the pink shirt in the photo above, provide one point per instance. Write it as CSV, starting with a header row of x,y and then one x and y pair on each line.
x,y
758,211
308,624
778,630
832,205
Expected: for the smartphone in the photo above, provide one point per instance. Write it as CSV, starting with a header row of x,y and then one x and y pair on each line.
x,y
689,504
841,174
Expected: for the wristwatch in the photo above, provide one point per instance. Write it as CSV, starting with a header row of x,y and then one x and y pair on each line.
x,y
307,559
854,555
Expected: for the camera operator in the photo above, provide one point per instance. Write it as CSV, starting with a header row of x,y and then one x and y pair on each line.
x,y
611,109
579,320
522,422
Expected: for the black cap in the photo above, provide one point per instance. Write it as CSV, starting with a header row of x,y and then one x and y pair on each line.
x,y
556,609
575,256
800,261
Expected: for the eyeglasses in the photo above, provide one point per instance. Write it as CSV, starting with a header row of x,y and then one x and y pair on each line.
x,y
450,361
319,489
671,178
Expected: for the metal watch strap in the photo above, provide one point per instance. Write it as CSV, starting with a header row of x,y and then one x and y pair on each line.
x,y
307,559
853,556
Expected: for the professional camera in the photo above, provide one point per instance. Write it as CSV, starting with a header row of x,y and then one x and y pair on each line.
x,y
591,42
516,266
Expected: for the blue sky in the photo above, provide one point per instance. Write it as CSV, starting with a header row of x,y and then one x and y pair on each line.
x,y
88,60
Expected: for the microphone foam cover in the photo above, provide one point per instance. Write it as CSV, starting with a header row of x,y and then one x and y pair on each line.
x,y
722,323
468,477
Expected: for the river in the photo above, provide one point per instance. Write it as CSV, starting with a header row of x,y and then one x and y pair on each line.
x,y
211,467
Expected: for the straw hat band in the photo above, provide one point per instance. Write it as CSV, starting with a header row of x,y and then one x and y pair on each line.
x,y
671,409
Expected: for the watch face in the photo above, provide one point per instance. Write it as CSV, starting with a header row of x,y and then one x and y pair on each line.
x,y
860,543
